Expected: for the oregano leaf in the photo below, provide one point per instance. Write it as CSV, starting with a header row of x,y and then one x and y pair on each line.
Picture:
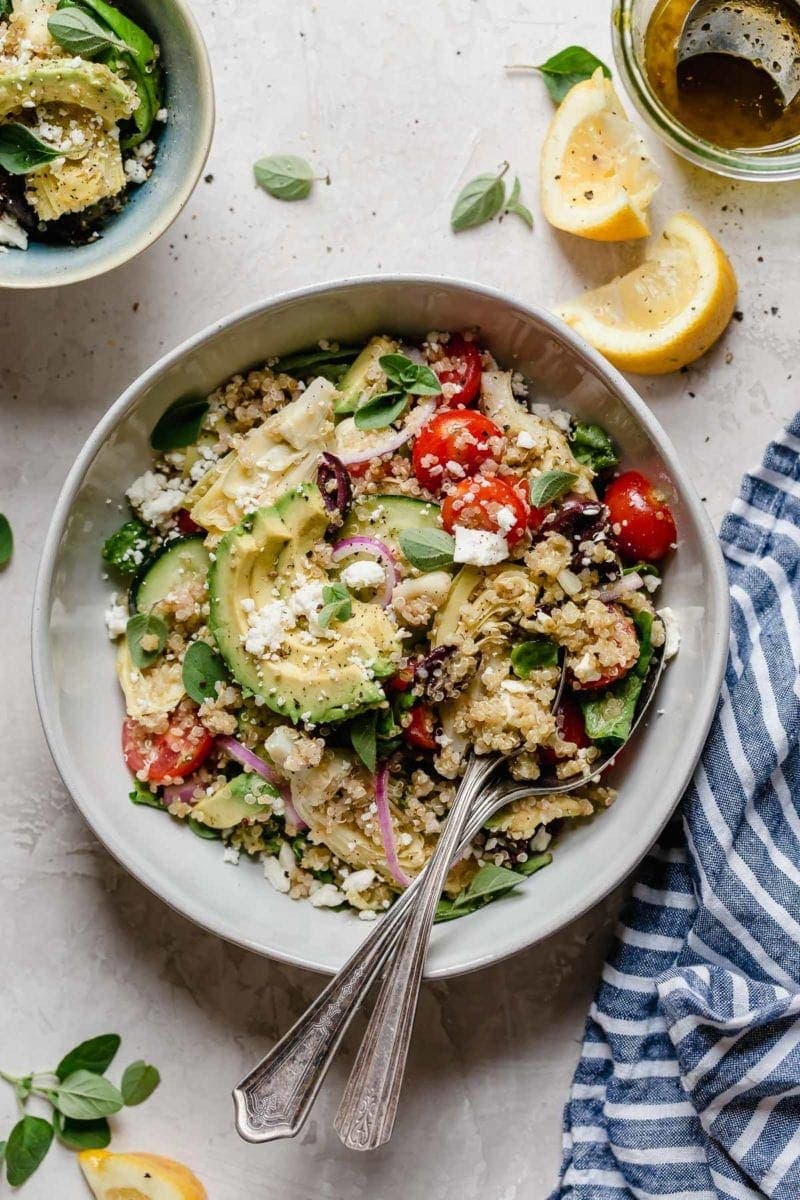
x,y
284,176
22,151
479,200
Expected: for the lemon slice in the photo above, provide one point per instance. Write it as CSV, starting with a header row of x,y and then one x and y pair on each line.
x,y
667,311
138,1177
597,179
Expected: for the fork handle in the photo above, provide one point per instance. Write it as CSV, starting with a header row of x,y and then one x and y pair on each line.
x,y
366,1115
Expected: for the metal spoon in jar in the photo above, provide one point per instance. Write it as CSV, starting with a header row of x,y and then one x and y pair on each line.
x,y
765,33
274,1099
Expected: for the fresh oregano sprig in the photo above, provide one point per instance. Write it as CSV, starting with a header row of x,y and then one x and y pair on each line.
x,y
563,70
82,1100
286,177
484,198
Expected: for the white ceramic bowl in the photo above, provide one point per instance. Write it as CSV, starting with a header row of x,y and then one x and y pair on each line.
x,y
82,709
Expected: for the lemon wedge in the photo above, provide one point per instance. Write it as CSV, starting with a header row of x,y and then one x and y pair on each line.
x,y
138,1177
667,311
597,179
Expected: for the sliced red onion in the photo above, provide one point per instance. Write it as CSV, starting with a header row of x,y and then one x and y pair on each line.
x,y
334,483
252,761
386,826
419,416
183,793
370,545
622,587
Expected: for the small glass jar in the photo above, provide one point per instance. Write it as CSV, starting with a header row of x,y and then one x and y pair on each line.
x,y
630,19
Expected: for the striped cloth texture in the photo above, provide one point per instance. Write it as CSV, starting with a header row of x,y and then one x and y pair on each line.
x,y
688,1084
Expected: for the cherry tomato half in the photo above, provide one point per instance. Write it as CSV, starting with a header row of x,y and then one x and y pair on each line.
x,y
625,636
401,681
454,444
643,524
185,523
465,373
171,755
420,729
569,722
489,503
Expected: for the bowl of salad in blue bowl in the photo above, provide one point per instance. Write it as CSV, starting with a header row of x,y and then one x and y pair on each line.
x,y
106,119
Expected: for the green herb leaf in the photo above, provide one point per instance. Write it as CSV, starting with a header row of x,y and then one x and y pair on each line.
x,y
127,547
551,486
5,11
139,1081
141,794
489,883
446,910
22,151
479,201
203,831
427,549
203,669
79,33
6,540
83,1135
26,1147
642,568
284,176
380,411
338,605
2,1144
568,67
415,378
145,626
530,656
306,361
180,424
534,863
85,1096
140,45
609,717
514,205
591,446
363,737
95,1055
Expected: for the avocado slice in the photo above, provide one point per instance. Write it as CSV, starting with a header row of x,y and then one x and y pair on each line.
x,y
364,378
237,801
259,561
86,84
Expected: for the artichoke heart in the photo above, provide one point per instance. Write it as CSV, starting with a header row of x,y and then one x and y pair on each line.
x,y
70,185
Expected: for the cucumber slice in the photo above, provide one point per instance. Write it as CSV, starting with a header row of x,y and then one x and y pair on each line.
x,y
168,570
385,517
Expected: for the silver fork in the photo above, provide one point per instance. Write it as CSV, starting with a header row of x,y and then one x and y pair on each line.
x,y
274,1099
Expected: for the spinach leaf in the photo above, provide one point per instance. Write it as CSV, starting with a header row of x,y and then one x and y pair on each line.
x,y
427,549
568,67
26,1147
85,1096
591,446
642,568
22,151
338,605
203,669
140,60
139,1081
83,1135
203,831
408,376
610,716
96,1055
479,201
180,424
5,11
284,176
531,655
364,739
6,540
141,794
304,362
145,626
489,883
380,411
550,486
533,863
126,548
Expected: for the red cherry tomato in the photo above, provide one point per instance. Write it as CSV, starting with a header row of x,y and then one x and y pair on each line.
x,y
642,522
454,444
466,373
569,722
185,523
476,503
401,681
420,731
624,633
535,517
164,756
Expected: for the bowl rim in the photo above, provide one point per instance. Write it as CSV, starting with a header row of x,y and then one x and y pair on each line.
x,y
717,601
203,134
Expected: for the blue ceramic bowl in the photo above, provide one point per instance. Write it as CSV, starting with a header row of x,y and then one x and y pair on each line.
x,y
183,145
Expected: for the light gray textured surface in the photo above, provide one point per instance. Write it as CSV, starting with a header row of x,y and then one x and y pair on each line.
x,y
402,103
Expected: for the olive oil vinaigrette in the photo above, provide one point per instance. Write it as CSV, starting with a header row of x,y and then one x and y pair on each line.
x,y
725,100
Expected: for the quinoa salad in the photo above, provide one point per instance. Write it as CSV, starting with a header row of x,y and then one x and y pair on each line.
x,y
347,570
80,105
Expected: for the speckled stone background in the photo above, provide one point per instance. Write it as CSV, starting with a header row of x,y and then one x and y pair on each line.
x,y
402,103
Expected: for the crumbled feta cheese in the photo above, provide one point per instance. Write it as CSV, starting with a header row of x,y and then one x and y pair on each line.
x,y
479,547
364,574
327,896
162,115
154,498
275,874
231,855
266,627
12,233
672,633
506,518
358,881
367,914
525,440
135,171
116,618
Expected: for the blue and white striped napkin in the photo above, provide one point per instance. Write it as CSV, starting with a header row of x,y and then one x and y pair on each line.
x,y
688,1085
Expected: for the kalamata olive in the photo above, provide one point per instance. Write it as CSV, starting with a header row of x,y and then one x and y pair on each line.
x,y
334,483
